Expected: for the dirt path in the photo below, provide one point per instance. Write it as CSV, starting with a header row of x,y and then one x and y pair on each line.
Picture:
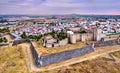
x,y
117,60
25,48
98,52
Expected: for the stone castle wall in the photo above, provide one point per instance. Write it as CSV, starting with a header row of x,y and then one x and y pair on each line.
x,y
64,55
57,57
107,43
15,42
34,54
86,37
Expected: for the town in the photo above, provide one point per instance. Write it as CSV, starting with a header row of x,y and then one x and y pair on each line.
x,y
59,36
54,40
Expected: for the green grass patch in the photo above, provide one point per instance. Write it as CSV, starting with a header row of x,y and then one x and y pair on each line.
x,y
113,34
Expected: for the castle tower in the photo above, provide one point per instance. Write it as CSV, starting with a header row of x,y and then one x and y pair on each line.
x,y
97,33
72,38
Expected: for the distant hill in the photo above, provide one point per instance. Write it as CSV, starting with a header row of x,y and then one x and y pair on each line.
x,y
66,16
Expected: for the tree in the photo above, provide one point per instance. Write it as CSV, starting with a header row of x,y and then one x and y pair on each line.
x,y
1,40
4,30
50,33
97,24
83,31
36,37
5,40
31,37
24,36
52,24
61,35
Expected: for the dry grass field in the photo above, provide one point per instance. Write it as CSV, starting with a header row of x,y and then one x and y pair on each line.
x,y
117,54
12,60
8,38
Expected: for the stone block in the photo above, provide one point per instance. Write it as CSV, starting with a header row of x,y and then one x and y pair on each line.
x,y
48,45
63,42
56,44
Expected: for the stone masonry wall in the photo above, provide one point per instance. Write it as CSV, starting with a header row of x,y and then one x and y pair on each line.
x,y
106,43
34,53
64,55
6,44
57,57
12,36
15,42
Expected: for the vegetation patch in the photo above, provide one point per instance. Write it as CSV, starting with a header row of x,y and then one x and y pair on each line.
x,y
81,32
3,40
58,35
61,35
113,34
4,30
35,37
10,60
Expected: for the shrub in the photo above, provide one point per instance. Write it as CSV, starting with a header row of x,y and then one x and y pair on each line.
x,y
61,35
50,33
3,30
36,37
3,40
24,36
83,31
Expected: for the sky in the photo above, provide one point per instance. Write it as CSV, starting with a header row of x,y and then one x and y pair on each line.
x,y
48,7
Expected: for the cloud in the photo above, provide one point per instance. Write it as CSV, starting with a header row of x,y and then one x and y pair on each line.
x,y
59,6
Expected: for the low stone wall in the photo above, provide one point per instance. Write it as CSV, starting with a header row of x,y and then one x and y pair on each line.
x,y
2,34
57,57
106,43
11,36
15,42
6,44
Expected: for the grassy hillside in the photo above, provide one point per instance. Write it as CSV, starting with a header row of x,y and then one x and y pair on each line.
x,y
12,60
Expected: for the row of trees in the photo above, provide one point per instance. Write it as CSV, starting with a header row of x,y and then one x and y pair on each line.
x,y
3,30
59,35
3,40
35,37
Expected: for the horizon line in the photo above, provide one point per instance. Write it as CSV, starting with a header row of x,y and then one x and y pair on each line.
x,y
58,14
